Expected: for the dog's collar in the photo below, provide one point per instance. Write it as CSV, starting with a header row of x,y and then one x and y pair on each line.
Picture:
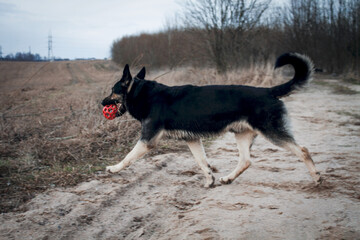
x,y
130,86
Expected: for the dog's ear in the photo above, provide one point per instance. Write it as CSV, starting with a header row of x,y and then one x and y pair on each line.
x,y
126,77
141,74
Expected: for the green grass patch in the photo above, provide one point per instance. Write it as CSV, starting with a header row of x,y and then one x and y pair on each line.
x,y
340,89
352,81
350,114
337,87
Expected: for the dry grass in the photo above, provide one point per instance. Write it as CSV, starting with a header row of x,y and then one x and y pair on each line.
x,y
52,132
257,75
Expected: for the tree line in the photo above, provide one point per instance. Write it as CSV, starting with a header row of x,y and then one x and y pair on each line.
x,y
31,57
228,34
19,56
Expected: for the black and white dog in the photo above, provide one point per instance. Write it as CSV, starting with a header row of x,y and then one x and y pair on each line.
x,y
191,112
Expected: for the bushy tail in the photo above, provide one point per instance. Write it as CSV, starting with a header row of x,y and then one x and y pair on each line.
x,y
303,72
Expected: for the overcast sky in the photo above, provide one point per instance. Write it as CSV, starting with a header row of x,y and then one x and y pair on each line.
x,y
79,28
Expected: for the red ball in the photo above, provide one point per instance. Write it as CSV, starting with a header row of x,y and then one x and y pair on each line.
x,y
110,111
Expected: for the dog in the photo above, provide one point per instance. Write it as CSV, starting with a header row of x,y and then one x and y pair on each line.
x,y
192,112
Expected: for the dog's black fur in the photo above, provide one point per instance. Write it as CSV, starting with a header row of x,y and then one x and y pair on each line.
x,y
208,110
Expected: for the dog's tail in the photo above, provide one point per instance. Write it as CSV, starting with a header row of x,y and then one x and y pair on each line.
x,y
303,67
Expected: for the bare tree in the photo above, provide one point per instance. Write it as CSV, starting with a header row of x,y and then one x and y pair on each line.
x,y
223,23
327,30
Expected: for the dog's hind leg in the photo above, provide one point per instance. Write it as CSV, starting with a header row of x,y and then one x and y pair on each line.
x,y
283,138
244,141
304,155
198,151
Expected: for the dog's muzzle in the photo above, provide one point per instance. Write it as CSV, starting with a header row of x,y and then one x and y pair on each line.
x,y
115,99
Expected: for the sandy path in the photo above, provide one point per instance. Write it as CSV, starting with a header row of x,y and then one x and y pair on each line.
x,y
162,197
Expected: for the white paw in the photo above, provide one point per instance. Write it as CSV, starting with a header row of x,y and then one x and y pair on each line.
x,y
317,178
225,180
210,182
111,169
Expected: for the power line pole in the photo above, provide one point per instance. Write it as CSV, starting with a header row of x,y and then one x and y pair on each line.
x,y
0,52
50,50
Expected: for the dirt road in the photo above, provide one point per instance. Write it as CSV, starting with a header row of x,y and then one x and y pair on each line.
x,y
162,197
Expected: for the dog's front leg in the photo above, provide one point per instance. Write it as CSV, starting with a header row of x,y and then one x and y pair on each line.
x,y
140,149
198,151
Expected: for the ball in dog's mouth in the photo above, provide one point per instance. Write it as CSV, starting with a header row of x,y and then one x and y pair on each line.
x,y
109,111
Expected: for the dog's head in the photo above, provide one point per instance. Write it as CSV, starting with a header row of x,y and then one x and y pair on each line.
x,y
121,89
